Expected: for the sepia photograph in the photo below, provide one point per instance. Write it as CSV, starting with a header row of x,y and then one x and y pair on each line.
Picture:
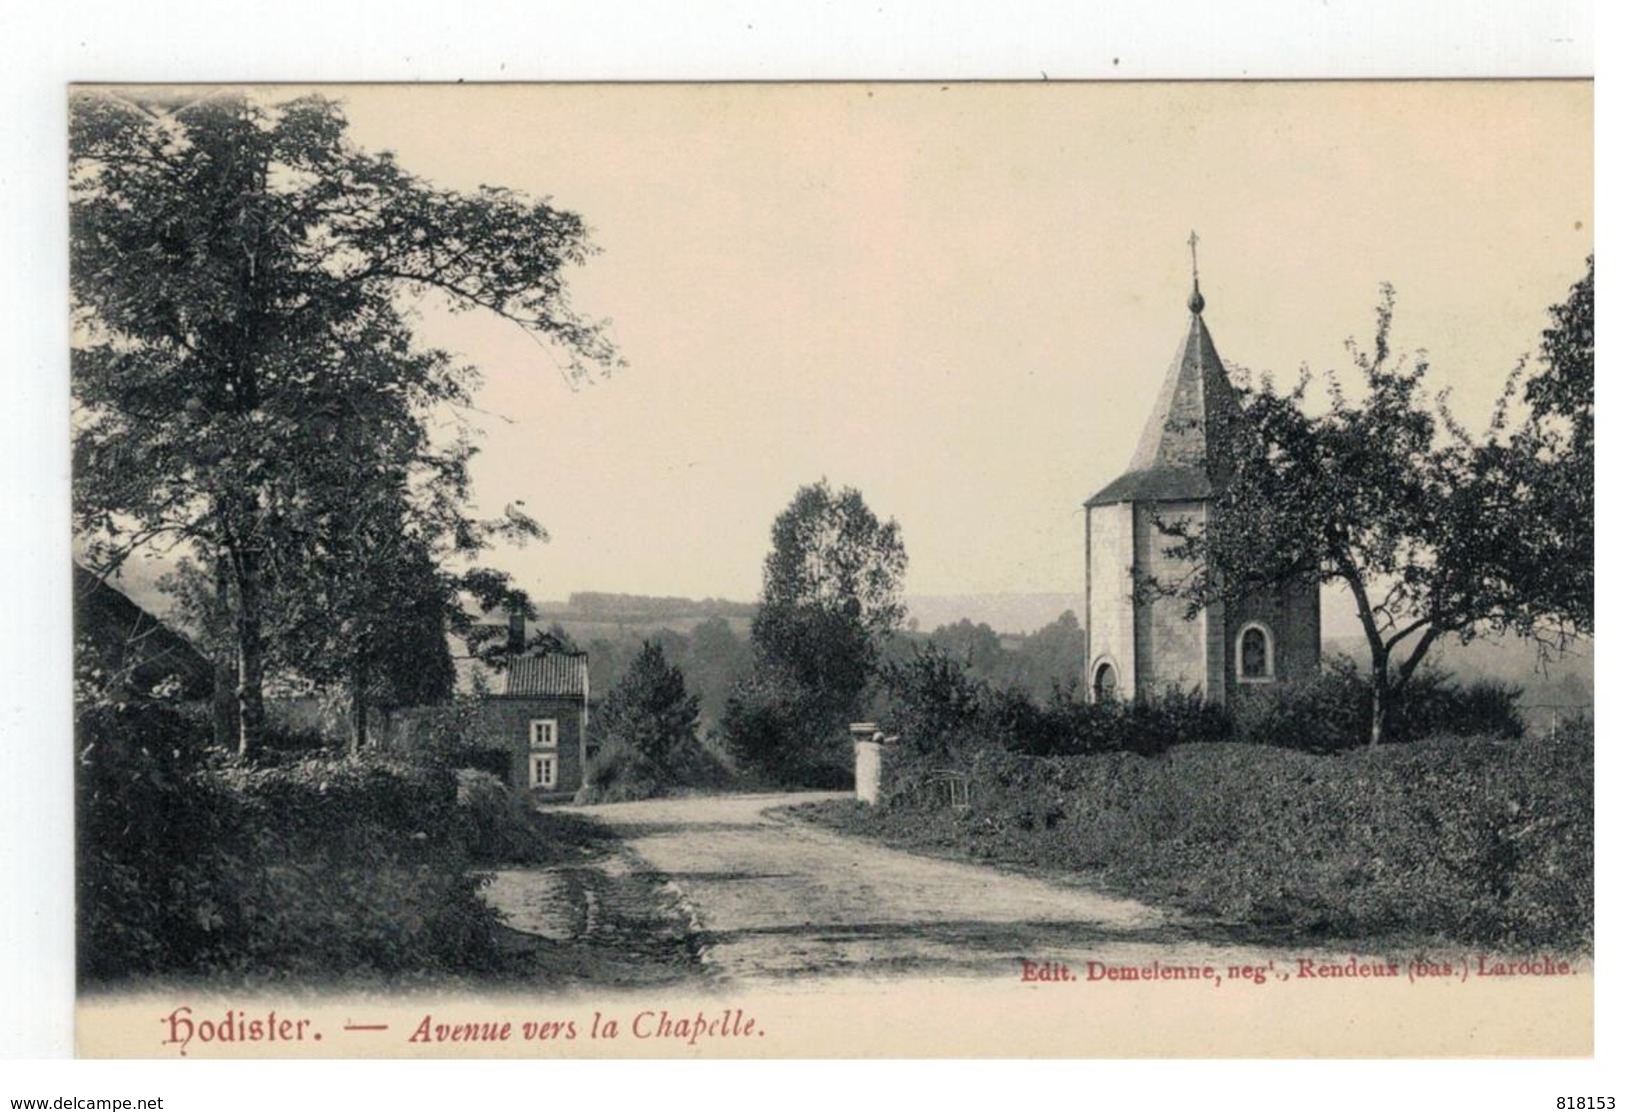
x,y
1052,569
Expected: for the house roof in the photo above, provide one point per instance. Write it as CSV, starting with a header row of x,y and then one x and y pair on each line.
x,y
546,674
128,640
1176,457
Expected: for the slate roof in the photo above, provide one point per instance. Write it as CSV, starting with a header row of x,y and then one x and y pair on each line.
x,y
546,674
1175,459
123,636
1156,484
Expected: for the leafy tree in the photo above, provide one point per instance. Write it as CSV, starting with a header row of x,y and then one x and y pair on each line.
x,y
368,614
718,658
372,626
974,645
650,713
1556,447
830,552
765,728
831,595
245,382
1051,657
1386,494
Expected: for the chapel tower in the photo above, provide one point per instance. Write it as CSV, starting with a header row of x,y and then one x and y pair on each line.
x,y
1142,647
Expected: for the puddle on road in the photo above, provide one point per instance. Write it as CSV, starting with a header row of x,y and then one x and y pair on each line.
x,y
613,921
556,904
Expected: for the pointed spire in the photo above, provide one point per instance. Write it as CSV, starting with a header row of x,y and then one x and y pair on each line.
x,y
1196,302
1181,455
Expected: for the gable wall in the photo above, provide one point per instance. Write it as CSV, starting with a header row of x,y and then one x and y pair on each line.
x,y
1108,589
505,724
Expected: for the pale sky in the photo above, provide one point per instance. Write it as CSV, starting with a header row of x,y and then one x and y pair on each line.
x,y
961,299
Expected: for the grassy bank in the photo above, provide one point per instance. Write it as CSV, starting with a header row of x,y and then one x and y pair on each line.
x,y
1478,841
311,871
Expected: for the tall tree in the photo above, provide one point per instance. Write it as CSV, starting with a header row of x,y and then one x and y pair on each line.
x,y
650,715
1052,657
242,360
831,595
831,592
976,646
1556,445
718,659
1386,494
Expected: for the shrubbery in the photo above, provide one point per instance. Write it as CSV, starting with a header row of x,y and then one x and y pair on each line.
x,y
1332,712
1479,840
1484,839
762,730
618,773
448,735
779,733
318,867
937,709
500,826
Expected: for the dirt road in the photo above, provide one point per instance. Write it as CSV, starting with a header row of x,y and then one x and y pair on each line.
x,y
771,899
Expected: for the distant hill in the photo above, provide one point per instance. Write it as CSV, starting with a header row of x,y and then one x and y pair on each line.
x,y
1005,613
592,615
603,606
600,615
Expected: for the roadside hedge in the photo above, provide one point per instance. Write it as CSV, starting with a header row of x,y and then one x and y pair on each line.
x,y
936,708
315,868
1470,839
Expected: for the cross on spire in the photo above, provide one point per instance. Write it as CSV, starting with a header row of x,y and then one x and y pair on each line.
x,y
1196,301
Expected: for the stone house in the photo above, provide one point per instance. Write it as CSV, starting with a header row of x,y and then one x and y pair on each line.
x,y
527,721
1138,647
537,713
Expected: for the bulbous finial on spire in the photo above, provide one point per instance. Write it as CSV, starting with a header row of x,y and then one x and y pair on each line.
x,y
1196,302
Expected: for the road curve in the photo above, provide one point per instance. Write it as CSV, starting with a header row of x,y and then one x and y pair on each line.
x,y
772,899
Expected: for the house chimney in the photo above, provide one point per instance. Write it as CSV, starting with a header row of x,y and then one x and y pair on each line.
x,y
516,633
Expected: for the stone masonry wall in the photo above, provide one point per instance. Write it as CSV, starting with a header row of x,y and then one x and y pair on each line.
x,y
1110,620
1171,651
1292,615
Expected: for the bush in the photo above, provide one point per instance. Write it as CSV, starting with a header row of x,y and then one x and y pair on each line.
x,y
448,735
116,731
1438,704
1327,714
149,841
329,798
498,826
1332,712
939,712
780,734
619,773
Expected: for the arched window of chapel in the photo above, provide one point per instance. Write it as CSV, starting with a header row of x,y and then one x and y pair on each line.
x,y
1255,653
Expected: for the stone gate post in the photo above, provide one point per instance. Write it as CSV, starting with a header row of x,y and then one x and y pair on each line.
x,y
866,741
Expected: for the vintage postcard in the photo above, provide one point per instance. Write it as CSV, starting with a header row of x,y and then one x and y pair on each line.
x,y
1052,569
